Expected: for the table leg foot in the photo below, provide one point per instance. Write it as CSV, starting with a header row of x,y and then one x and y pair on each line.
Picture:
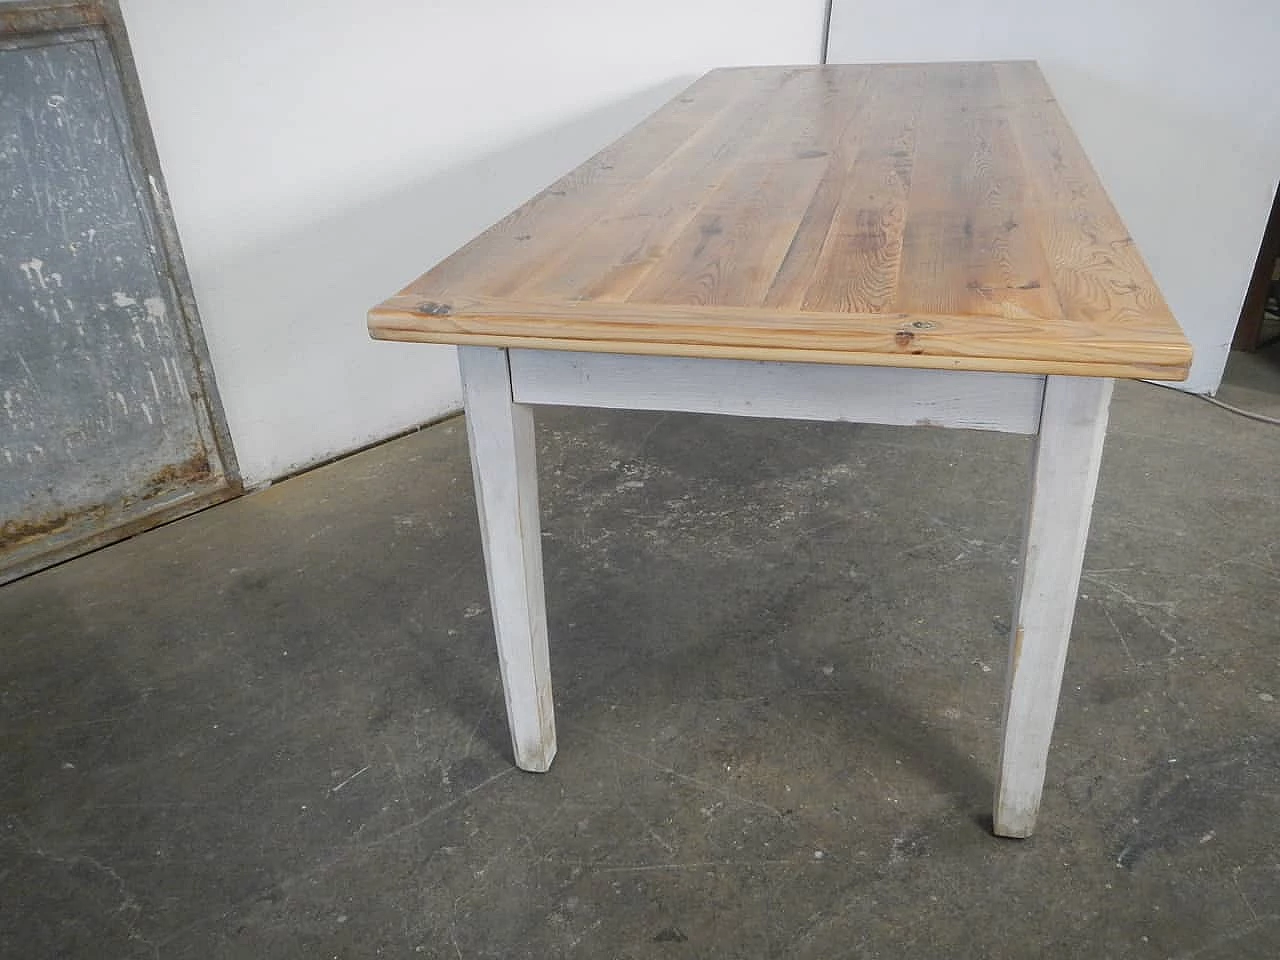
x,y
1064,476
500,435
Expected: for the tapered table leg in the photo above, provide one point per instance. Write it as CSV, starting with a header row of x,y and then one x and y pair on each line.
x,y
1064,475
500,434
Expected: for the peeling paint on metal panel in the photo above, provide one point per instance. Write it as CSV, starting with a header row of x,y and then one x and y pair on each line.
x,y
95,412
33,270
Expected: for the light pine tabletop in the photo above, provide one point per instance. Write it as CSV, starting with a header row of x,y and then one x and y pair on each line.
x,y
915,215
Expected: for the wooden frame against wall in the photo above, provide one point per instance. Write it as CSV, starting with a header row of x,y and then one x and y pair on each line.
x,y
1249,327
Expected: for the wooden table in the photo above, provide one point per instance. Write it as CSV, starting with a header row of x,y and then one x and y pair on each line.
x,y
895,244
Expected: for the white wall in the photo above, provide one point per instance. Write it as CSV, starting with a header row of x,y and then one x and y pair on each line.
x,y
321,154
1175,101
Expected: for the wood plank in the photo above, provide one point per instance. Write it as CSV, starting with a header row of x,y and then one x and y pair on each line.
x,y
1008,403
930,341
839,120
917,215
1099,275
971,246
615,253
500,435
513,250
857,263
1064,476
733,245
731,248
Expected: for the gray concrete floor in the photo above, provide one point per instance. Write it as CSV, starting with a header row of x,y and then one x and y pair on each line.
x,y
275,729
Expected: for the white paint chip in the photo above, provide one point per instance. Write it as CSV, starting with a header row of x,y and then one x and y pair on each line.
x,y
33,270
155,310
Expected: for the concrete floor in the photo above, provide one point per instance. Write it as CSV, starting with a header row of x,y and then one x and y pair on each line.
x,y
275,729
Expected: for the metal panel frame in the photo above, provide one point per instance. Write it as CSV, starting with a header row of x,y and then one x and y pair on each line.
x,y
32,18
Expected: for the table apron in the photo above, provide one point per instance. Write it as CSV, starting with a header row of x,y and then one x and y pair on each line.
x,y
1004,402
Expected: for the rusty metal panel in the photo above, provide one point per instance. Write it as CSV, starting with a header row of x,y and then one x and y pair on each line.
x,y
109,421
18,19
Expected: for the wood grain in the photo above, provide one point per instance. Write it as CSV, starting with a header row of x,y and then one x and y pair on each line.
x,y
916,215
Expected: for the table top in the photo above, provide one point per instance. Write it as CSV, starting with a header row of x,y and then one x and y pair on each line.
x,y
915,215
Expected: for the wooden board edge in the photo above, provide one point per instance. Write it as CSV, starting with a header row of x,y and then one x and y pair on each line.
x,y
1118,370
412,318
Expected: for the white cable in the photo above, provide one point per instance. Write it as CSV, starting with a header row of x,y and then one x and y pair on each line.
x,y
1238,411
1261,418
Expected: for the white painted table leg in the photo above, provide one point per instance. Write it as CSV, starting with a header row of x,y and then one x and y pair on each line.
x,y
1064,475
500,434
